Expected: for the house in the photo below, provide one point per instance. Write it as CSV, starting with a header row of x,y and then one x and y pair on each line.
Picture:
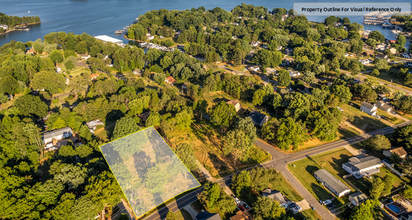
x,y
392,41
382,57
242,215
58,134
94,76
205,215
360,167
382,105
258,118
255,43
400,151
357,198
30,51
406,55
145,115
405,216
150,37
4,26
58,70
288,51
294,73
369,108
137,72
332,183
265,46
92,125
381,47
234,37
275,195
235,103
83,56
356,80
392,50
170,80
365,61
284,17
254,68
185,87
279,48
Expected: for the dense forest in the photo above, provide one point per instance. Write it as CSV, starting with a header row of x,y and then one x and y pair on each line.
x,y
76,183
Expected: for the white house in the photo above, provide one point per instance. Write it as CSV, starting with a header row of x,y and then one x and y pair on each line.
x,y
360,167
4,26
254,68
150,37
332,183
92,125
369,108
294,73
255,43
58,134
234,37
406,55
365,61
235,103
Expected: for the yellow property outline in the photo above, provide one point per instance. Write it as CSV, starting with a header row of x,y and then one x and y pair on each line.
x,y
173,153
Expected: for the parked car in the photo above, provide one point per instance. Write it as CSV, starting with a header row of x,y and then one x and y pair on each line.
x,y
331,206
237,200
327,202
240,207
246,207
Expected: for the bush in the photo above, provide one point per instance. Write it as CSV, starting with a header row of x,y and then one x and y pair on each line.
x,y
55,101
375,72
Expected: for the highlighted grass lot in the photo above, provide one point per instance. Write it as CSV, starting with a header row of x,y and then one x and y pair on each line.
x,y
147,170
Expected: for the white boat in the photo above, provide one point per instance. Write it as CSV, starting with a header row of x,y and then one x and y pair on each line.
x,y
28,12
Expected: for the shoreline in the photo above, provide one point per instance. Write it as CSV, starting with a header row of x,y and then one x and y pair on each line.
x,y
14,28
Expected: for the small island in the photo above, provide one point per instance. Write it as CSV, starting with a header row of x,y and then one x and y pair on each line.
x,y
11,23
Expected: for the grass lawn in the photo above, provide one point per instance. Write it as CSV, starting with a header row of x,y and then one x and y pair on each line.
x,y
387,76
365,184
332,162
287,190
307,215
347,132
390,117
216,97
101,133
361,119
206,141
183,215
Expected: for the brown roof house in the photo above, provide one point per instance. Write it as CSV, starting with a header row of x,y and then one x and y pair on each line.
x,y
242,215
170,80
400,151
235,103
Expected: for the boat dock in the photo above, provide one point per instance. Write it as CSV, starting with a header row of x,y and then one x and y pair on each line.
x,y
119,31
368,20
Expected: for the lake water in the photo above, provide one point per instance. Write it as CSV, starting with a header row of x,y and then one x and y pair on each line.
x,y
104,17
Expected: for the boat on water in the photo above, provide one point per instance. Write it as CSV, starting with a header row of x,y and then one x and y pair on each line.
x,y
119,31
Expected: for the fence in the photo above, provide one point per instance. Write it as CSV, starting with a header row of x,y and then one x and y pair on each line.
x,y
388,165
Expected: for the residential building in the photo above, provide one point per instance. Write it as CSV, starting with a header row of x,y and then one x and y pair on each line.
x,y
368,53
279,48
294,73
170,80
235,103
258,118
94,76
357,80
57,135
4,26
137,72
382,57
400,151
369,108
405,216
275,195
150,37
234,37
360,167
365,61
357,198
92,125
332,183
108,39
83,56
406,55
288,51
284,17
392,50
242,215
205,215
382,105
255,43
145,115
265,46
254,68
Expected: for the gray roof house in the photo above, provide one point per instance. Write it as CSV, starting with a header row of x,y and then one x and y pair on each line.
x,y
275,195
369,108
360,167
382,105
258,118
332,183
205,215
357,198
58,134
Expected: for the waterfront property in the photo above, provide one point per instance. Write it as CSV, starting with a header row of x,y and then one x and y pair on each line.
x,y
5,27
108,39
360,167
332,183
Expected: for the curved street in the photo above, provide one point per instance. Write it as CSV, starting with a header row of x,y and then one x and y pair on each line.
x,y
279,162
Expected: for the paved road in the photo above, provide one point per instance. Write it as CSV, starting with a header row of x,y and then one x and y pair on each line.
x,y
280,161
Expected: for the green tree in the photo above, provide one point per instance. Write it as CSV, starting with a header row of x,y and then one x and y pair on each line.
x,y
375,72
159,78
124,126
365,210
241,184
267,208
377,189
50,81
223,113
72,175
377,36
56,56
186,155
381,64
388,181
155,180
69,65
31,105
308,77
407,192
379,143
290,133
258,96
284,78
170,216
401,40
153,120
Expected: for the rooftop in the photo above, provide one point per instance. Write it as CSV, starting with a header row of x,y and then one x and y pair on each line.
x,y
332,182
257,117
367,105
356,164
106,38
58,132
358,197
233,102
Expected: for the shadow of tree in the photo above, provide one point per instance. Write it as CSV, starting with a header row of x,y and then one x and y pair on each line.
x,y
321,192
111,119
337,164
142,163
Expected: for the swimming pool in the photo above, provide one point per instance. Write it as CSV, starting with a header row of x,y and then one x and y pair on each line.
x,y
394,208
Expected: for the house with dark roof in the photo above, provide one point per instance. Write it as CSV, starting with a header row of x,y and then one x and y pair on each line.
x,y
357,198
382,105
369,108
382,57
144,116
205,215
360,167
400,151
275,195
235,103
332,183
258,118
58,134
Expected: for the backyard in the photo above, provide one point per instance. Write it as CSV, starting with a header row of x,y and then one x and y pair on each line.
x,y
332,162
361,120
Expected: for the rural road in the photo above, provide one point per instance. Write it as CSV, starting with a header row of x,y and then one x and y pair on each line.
x,y
280,161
